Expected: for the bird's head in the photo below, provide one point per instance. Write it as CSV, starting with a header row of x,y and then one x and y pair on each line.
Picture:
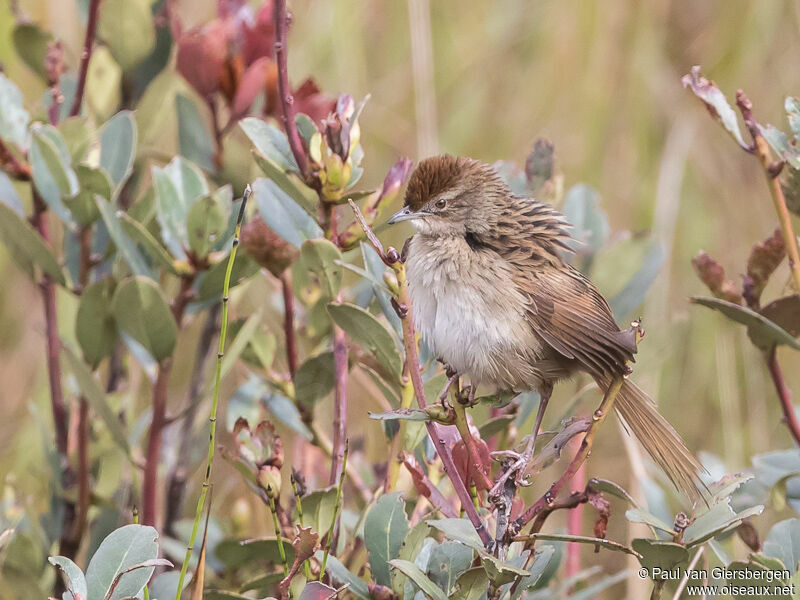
x,y
452,196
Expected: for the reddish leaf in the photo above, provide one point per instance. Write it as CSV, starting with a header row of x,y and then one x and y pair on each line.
x,y
201,57
763,260
462,460
304,544
254,81
259,39
308,99
712,274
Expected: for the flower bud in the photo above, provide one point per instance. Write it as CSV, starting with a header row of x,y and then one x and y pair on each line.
x,y
269,479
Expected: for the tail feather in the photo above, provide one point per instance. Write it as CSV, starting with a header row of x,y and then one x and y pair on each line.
x,y
659,438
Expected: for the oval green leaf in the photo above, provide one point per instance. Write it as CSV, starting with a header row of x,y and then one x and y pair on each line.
x,y
368,332
141,311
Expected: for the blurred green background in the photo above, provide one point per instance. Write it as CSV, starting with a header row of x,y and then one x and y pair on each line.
x,y
484,79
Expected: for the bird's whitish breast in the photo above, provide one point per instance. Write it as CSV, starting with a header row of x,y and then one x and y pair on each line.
x,y
467,307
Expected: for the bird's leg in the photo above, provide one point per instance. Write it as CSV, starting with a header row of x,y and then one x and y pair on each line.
x,y
452,376
519,466
544,397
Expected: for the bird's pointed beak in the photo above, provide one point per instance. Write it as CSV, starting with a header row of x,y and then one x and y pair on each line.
x,y
402,215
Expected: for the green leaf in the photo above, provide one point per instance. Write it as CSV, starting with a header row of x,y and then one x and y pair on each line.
x,y
416,548
126,26
318,509
236,553
240,342
716,103
26,246
609,487
142,312
52,174
459,530
125,247
633,294
94,324
269,141
718,519
145,241
283,214
286,412
206,223
31,42
752,580
582,210
355,585
657,554
501,572
92,182
368,332
77,135
194,138
783,543
305,126
541,561
124,548
209,285
103,84
638,515
384,530
759,328
470,585
118,144
74,578
295,190
584,539
96,398
414,573
448,560
9,196
13,116
177,186
401,414
314,379
321,257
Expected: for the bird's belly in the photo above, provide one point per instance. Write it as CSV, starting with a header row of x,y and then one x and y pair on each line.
x,y
476,327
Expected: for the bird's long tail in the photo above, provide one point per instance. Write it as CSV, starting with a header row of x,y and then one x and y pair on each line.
x,y
665,446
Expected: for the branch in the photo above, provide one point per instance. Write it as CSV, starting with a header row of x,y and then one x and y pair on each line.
x,y
18,170
785,396
86,55
281,20
583,453
392,258
771,171
340,402
288,322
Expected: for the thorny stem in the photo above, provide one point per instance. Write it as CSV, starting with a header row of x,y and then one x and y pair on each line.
x,y
277,526
761,150
337,508
583,452
176,480
281,20
86,55
288,322
299,503
410,345
215,399
785,396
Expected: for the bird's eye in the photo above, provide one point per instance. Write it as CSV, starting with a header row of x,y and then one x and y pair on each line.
x,y
440,203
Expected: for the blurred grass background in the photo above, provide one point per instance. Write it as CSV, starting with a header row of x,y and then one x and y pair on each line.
x,y
602,81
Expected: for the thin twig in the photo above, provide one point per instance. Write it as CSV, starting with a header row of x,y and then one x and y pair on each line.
x,y
391,257
689,570
288,322
340,402
17,169
215,400
583,452
761,150
277,528
281,20
86,55
337,509
784,394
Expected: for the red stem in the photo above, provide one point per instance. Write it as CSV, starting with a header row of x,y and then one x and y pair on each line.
x,y
574,520
83,469
86,55
340,402
288,322
159,420
287,100
785,396
53,343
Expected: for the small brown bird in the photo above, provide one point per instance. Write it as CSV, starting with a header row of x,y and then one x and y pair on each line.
x,y
494,297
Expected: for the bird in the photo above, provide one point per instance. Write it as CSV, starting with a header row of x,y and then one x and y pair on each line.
x,y
493,295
